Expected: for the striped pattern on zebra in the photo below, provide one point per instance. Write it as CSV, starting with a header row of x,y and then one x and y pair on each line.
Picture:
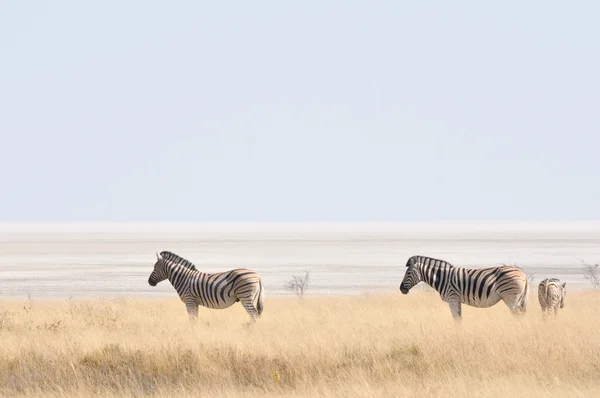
x,y
474,287
551,294
219,290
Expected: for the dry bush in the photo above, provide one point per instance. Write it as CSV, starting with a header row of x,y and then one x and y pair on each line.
x,y
591,272
298,284
354,346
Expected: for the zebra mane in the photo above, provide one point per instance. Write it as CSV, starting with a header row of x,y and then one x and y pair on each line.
x,y
175,259
428,261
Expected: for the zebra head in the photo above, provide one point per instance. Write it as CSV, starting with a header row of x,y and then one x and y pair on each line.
x,y
159,273
412,275
563,293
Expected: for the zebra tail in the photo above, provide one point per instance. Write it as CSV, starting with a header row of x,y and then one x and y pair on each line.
x,y
261,298
523,302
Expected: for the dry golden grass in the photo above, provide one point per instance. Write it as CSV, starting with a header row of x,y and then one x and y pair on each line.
x,y
358,346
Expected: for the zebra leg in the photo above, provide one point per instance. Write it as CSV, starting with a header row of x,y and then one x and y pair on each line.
x,y
456,308
515,304
515,309
192,309
249,306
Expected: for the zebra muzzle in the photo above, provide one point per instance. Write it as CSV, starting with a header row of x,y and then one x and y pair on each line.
x,y
151,282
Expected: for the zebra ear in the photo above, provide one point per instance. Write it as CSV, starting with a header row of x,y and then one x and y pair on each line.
x,y
158,256
565,285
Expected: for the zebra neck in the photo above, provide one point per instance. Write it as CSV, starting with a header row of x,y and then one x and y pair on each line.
x,y
178,274
436,277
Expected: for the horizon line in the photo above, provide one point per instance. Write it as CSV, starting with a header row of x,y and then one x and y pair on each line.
x,y
297,226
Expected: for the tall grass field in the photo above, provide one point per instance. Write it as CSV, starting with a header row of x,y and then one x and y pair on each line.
x,y
368,346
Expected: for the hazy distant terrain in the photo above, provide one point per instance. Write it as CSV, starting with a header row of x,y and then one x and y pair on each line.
x,y
98,260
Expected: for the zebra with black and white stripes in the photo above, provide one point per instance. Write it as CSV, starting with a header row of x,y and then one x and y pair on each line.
x,y
219,290
474,287
551,294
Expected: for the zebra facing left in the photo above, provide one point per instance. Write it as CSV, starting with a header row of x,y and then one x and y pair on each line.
x,y
474,287
218,291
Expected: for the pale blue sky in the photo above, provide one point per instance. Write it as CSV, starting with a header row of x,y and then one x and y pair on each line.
x,y
299,111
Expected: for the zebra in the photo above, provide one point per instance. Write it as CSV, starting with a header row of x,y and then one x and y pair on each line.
x,y
551,294
218,291
474,287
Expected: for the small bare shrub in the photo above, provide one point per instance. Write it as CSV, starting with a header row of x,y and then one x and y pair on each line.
x,y
530,277
298,284
591,272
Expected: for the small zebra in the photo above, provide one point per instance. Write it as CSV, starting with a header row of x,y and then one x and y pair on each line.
x,y
551,294
220,290
475,287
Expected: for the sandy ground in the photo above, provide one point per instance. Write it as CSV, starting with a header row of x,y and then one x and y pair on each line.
x,y
108,260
